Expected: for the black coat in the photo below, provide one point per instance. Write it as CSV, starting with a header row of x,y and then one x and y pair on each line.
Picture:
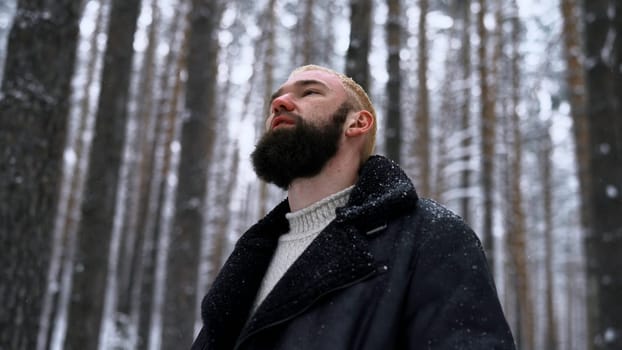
x,y
390,272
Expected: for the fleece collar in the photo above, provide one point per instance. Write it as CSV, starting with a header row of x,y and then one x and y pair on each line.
x,y
337,258
382,192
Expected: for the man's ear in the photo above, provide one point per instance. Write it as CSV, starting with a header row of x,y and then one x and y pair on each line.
x,y
360,124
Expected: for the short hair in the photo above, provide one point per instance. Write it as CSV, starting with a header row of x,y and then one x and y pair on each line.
x,y
357,96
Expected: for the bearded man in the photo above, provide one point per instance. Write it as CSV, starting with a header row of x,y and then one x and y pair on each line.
x,y
353,258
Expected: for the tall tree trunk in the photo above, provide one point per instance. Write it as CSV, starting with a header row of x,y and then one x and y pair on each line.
x,y
308,51
575,85
71,194
327,53
161,154
34,106
546,165
603,42
357,63
488,127
98,207
197,139
465,112
422,115
517,234
447,121
393,135
268,72
142,144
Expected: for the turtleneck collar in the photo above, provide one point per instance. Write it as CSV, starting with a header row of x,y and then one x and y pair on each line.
x,y
316,216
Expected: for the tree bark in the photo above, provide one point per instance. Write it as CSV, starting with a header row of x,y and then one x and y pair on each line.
x,y
308,50
268,75
98,207
517,233
603,45
465,111
65,225
148,228
34,106
422,115
488,135
142,146
546,166
197,139
392,132
575,85
357,63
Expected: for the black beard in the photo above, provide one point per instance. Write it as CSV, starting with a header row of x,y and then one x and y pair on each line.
x,y
301,151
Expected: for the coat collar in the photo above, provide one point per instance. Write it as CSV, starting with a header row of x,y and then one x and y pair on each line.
x,y
338,257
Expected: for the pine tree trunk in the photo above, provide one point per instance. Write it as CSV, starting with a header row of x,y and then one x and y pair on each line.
x,y
603,43
197,139
34,106
71,194
517,232
308,51
546,165
357,63
575,84
140,169
488,127
142,303
422,117
268,72
447,121
465,111
98,207
392,132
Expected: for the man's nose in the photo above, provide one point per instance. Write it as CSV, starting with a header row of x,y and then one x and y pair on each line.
x,y
282,103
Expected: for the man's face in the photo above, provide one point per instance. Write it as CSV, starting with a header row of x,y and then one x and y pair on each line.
x,y
298,151
303,130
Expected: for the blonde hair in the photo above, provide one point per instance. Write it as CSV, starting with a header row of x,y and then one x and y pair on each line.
x,y
357,96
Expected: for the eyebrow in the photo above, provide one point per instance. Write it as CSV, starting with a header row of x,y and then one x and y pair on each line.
x,y
299,83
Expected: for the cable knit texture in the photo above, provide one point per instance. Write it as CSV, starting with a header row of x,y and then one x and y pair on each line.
x,y
305,224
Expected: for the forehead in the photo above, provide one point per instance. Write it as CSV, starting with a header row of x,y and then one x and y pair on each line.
x,y
330,80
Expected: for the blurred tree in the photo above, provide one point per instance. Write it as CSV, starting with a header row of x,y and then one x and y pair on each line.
x,y
516,228
423,141
98,206
197,141
143,125
465,110
575,86
68,214
392,132
603,48
546,167
269,86
147,297
34,105
488,126
309,52
357,63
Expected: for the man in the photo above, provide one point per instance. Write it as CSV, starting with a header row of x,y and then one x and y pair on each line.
x,y
352,259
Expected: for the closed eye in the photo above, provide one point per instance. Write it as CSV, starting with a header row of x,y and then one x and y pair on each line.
x,y
309,92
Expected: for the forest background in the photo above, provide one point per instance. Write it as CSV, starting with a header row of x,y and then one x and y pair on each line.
x,y
126,128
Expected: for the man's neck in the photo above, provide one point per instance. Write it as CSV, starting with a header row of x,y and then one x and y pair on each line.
x,y
340,172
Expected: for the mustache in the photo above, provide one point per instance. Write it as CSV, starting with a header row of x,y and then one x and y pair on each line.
x,y
296,117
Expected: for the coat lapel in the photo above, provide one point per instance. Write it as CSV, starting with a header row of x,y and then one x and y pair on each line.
x,y
226,307
338,257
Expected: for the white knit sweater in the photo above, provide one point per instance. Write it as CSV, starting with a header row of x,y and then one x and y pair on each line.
x,y
304,225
